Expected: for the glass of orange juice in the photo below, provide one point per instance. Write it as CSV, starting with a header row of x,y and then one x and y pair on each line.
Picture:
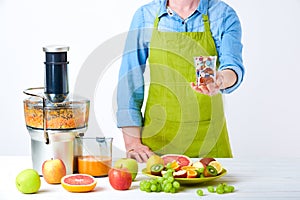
x,y
96,156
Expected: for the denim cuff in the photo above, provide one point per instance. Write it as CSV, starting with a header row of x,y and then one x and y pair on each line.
x,y
129,118
239,74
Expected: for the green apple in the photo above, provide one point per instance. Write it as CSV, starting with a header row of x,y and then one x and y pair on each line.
x,y
28,181
130,164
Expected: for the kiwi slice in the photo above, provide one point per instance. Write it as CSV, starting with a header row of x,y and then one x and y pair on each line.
x,y
156,169
210,171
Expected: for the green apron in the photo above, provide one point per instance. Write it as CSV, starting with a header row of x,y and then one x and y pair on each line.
x,y
177,119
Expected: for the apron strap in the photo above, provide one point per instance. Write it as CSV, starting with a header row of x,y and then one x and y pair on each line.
x,y
206,22
156,22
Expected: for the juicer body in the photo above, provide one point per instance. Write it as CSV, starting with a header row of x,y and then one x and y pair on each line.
x,y
62,146
55,118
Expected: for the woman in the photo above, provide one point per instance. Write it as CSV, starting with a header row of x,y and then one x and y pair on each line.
x,y
179,117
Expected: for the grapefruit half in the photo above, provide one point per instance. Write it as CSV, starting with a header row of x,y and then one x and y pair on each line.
x,y
182,160
78,182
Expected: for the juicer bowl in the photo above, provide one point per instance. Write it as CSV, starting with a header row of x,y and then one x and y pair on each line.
x,y
68,115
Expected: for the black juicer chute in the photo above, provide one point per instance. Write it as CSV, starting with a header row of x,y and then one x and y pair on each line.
x,y
56,73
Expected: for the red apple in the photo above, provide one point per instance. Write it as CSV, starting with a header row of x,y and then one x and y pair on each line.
x,y
120,178
206,161
53,170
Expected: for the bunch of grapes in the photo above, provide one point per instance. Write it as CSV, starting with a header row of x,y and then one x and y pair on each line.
x,y
166,183
220,189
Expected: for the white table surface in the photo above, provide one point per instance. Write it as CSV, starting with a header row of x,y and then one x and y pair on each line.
x,y
253,179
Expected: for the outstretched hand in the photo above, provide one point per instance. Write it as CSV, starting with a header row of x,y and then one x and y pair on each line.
x,y
211,88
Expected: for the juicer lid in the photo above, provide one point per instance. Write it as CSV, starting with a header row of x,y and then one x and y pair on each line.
x,y
56,48
35,95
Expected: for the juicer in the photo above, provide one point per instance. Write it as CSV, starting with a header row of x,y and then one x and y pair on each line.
x,y
54,118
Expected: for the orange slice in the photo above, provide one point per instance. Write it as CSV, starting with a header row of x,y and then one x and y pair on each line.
x,y
217,166
175,165
78,183
189,168
191,174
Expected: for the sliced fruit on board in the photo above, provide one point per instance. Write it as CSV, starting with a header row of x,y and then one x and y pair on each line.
x,y
182,160
156,169
78,183
217,166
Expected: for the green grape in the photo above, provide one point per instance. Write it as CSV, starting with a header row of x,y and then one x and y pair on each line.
x,y
153,181
165,182
147,185
168,187
201,170
200,192
142,188
176,184
160,179
153,187
148,190
143,182
143,185
224,184
211,189
173,190
220,186
228,188
167,175
159,188
231,188
220,190
170,179
169,166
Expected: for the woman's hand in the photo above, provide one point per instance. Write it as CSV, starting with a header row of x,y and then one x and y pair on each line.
x,y
134,148
224,79
211,88
139,152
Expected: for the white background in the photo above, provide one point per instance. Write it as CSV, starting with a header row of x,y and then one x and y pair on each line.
x,y
263,114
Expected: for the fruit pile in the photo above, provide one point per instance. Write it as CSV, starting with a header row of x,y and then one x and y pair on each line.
x,y
54,172
184,167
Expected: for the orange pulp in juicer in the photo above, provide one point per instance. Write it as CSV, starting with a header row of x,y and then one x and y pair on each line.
x,y
94,165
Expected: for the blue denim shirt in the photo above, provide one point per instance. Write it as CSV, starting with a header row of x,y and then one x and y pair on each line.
x,y
226,31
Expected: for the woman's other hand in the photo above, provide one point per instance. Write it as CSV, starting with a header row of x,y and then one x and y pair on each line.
x,y
134,148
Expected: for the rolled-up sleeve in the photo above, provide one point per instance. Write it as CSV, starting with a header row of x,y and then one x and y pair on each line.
x,y
130,92
230,51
